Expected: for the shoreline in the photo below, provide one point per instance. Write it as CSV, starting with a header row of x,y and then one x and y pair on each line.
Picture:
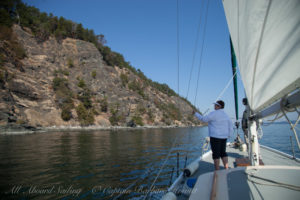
x,y
31,130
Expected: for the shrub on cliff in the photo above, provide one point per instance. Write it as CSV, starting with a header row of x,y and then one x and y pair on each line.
x,y
81,83
94,73
70,63
124,79
66,114
85,116
169,110
104,104
59,83
135,86
63,97
173,111
137,120
85,98
115,117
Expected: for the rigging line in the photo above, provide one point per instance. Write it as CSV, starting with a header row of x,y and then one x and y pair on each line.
x,y
273,182
291,124
204,31
178,46
161,168
223,91
195,50
298,119
258,49
275,119
226,87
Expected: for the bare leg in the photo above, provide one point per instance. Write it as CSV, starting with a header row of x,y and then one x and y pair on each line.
x,y
217,164
225,162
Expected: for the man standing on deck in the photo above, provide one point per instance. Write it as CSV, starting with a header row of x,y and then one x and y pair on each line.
x,y
220,128
245,122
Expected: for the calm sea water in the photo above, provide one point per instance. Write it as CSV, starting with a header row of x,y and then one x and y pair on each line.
x,y
104,164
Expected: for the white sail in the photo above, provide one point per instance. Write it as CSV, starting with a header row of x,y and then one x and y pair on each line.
x,y
266,39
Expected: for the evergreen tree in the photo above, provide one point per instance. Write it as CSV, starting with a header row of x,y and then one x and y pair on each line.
x,y
79,32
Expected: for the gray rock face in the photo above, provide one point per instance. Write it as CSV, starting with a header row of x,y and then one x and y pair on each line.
x,y
28,97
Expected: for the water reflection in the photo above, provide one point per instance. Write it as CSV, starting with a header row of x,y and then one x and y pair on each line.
x,y
91,164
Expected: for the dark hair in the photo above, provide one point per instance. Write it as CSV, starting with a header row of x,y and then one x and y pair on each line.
x,y
222,104
245,101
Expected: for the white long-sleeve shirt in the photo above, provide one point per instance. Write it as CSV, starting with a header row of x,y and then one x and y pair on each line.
x,y
219,124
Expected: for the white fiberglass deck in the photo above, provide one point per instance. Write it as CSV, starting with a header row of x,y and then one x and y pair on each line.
x,y
273,162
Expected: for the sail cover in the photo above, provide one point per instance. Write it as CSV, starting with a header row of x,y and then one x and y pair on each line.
x,y
266,39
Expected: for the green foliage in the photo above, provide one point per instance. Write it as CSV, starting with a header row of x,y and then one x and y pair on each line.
x,y
17,51
164,88
79,32
193,107
85,116
44,25
5,33
150,115
85,98
173,111
135,86
70,63
170,110
1,59
94,73
141,109
5,18
81,83
64,97
59,83
137,120
100,40
104,105
66,114
60,71
7,12
115,117
20,121
2,78
124,79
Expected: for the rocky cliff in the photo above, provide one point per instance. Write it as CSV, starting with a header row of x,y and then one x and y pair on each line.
x,y
67,83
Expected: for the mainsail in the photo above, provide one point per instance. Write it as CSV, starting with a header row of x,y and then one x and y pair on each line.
x,y
266,39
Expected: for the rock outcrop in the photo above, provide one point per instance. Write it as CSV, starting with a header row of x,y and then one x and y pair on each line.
x,y
57,77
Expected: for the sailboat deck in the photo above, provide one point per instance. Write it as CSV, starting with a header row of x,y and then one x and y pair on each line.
x,y
269,157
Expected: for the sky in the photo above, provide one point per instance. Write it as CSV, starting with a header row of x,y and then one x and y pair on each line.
x,y
145,33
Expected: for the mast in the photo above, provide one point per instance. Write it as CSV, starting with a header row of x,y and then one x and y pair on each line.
x,y
254,145
233,63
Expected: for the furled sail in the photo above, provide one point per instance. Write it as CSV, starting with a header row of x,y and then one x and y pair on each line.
x,y
266,39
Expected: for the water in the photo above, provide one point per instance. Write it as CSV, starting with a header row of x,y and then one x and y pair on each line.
x,y
278,135
102,164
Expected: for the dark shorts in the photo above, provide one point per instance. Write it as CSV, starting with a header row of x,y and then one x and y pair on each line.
x,y
218,147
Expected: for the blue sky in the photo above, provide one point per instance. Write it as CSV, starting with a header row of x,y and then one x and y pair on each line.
x,y
145,33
